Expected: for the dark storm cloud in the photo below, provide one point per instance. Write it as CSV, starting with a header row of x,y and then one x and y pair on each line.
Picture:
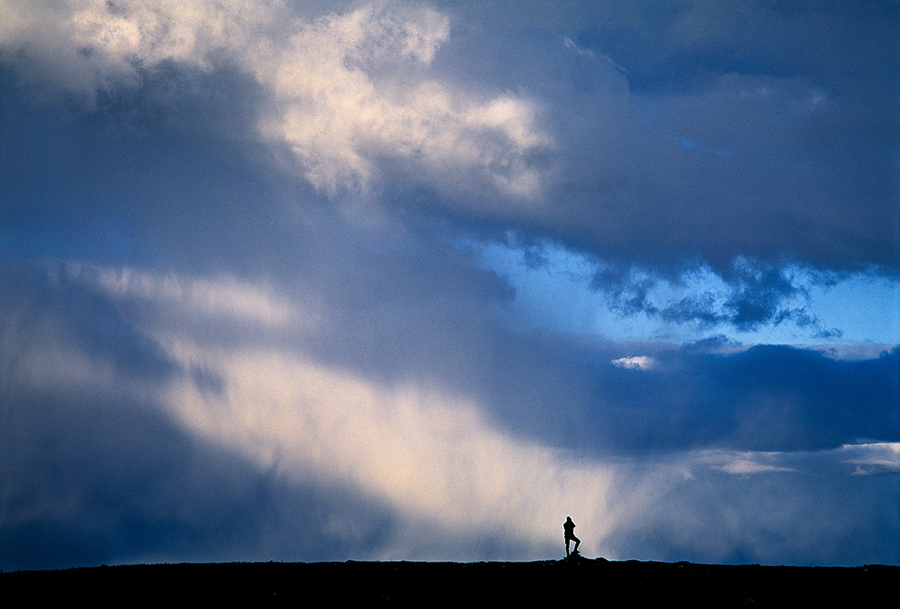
x,y
798,106
100,472
238,323
42,304
770,518
146,176
104,481
101,468
765,398
95,472
100,463
755,295
675,46
665,136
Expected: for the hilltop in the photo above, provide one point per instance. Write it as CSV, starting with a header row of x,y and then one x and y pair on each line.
x,y
550,583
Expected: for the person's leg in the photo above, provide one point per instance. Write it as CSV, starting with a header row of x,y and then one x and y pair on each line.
x,y
577,543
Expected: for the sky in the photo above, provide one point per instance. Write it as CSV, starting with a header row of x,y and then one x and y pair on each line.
x,y
322,281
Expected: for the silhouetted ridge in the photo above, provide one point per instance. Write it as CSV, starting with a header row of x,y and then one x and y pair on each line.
x,y
551,582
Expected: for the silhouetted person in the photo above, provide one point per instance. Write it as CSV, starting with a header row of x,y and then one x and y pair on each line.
x,y
569,528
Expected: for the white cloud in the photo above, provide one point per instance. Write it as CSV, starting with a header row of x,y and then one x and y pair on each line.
x,y
866,458
873,458
741,463
86,45
343,91
637,362
342,97
224,297
433,457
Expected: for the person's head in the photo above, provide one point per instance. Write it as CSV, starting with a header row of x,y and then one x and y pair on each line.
x,y
568,519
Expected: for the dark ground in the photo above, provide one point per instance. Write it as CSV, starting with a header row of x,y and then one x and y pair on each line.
x,y
590,583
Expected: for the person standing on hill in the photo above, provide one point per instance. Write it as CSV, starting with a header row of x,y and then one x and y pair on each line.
x,y
569,528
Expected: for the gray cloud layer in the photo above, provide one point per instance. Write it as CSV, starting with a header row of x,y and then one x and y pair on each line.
x,y
154,418
700,131
238,323
689,133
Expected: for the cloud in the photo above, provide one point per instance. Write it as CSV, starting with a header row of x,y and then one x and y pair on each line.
x,y
761,398
632,190
875,458
248,316
225,298
741,513
94,46
866,459
401,445
636,362
368,105
341,92
259,444
275,412
747,297
419,453
343,97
